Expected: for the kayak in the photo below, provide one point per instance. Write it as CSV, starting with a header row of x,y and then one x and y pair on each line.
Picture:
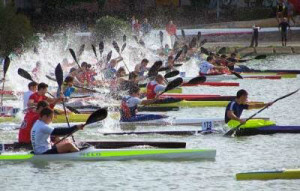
x,y
176,90
93,154
212,84
243,68
199,97
270,175
191,104
73,118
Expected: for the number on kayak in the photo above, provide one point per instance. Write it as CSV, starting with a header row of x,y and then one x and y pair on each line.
x,y
207,125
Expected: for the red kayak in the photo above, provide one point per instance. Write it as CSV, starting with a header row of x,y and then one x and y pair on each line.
x,y
214,84
199,97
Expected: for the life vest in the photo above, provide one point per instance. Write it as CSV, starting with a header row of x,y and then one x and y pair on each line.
x,y
150,90
125,111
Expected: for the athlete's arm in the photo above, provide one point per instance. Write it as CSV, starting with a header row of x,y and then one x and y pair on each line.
x,y
232,116
259,105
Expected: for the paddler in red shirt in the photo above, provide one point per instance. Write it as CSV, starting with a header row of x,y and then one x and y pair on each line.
x,y
29,119
40,96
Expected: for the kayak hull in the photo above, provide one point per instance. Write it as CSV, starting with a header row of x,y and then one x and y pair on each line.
x,y
270,175
92,154
199,97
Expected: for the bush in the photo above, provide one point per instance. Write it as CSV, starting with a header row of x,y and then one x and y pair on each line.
x,y
15,31
252,14
110,27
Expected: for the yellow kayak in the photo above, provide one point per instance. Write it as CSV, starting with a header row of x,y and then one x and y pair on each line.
x,y
176,90
269,175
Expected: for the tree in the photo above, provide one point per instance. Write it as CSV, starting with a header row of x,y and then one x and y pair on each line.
x,y
15,31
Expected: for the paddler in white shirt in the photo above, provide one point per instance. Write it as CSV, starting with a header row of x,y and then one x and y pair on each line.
x,y
32,88
41,132
207,67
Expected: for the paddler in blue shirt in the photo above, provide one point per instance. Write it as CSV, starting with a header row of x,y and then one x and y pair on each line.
x,y
130,104
235,108
68,88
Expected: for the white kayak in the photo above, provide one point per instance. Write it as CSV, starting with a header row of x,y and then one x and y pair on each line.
x,y
92,154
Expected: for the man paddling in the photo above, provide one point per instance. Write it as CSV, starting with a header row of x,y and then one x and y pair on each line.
x,y
29,119
155,87
32,87
235,108
41,133
208,67
141,68
129,106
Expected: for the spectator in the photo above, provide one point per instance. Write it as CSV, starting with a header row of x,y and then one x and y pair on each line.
x,y
146,27
137,28
290,12
132,23
280,10
171,33
254,36
283,28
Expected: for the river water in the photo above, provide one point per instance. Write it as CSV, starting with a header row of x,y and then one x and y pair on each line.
x,y
234,155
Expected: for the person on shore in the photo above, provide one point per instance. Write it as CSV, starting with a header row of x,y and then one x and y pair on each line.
x,y
29,119
171,33
32,88
141,68
146,27
283,28
137,28
41,132
280,10
132,23
290,12
254,36
130,104
208,68
235,108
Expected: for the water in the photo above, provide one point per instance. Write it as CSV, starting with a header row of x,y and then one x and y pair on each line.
x,y
234,155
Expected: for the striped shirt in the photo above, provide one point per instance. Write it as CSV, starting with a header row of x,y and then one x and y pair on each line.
x,y
236,108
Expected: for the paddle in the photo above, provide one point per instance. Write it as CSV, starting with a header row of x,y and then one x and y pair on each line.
x,y
175,46
222,50
199,36
81,49
96,116
25,74
233,130
171,74
123,47
116,46
204,51
5,68
101,48
185,49
183,34
94,50
167,68
161,37
108,57
203,42
197,80
259,57
74,56
237,75
193,42
173,84
177,55
154,68
124,38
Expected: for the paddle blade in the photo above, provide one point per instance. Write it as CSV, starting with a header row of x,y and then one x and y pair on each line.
x,y
237,75
96,116
94,50
116,46
161,37
193,43
24,74
163,69
123,47
142,43
260,57
6,65
73,55
101,47
204,51
199,36
59,75
185,49
175,47
183,33
177,55
177,65
203,42
154,69
124,38
174,84
81,49
197,80
222,50
171,74
109,56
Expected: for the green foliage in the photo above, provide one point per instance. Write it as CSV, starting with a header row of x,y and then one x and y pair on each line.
x,y
252,14
15,31
199,4
110,27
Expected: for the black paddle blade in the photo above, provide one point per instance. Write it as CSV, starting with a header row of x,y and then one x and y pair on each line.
x,y
199,36
6,65
154,69
161,36
193,43
73,55
94,50
204,51
174,84
81,49
163,69
96,116
197,80
177,65
203,42
124,38
59,75
123,47
183,33
260,57
171,74
175,47
116,46
109,56
24,74
142,43
177,55
222,50
101,47
237,75
185,49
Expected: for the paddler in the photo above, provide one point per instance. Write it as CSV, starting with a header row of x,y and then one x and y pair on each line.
x,y
141,68
41,133
207,67
68,88
155,87
235,108
170,64
40,95
110,69
129,106
32,88
29,119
